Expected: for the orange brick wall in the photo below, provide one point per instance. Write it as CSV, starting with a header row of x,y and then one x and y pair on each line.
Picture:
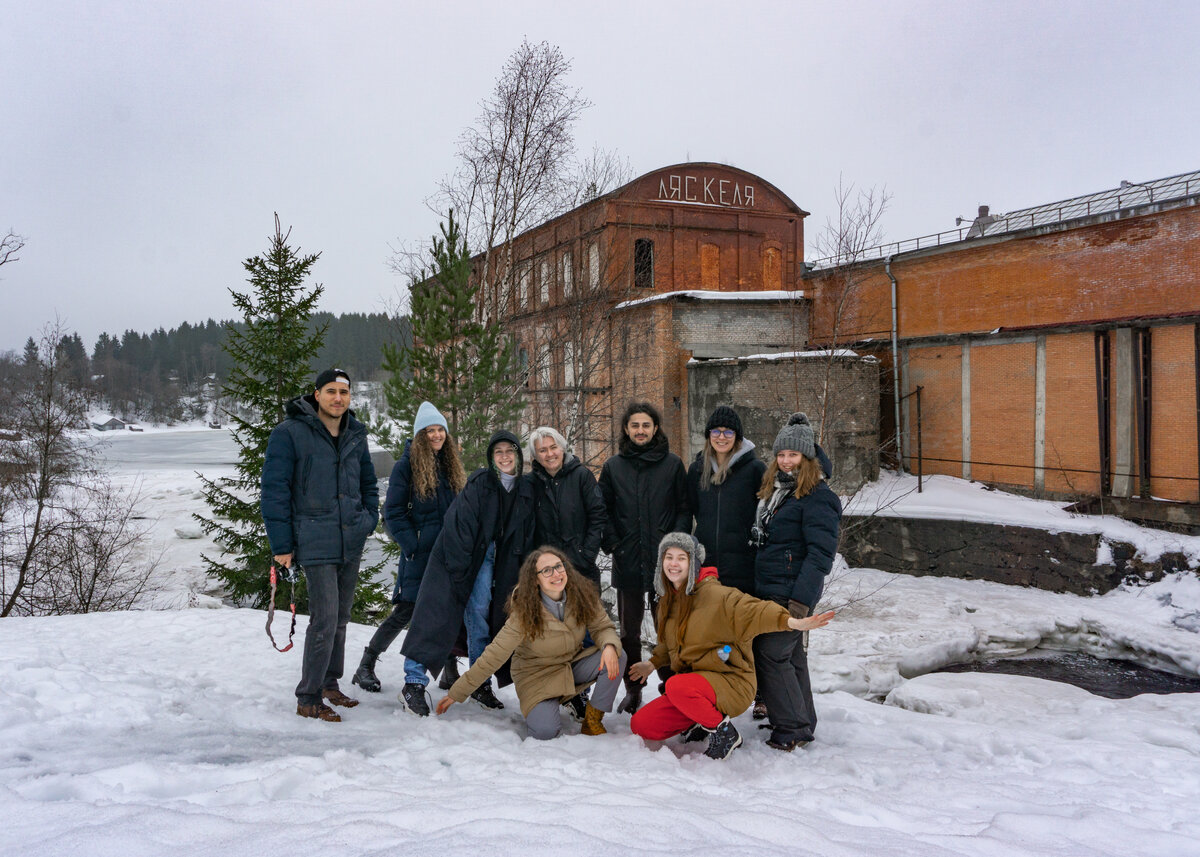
x,y
1135,267
1002,412
939,372
1072,424
1173,413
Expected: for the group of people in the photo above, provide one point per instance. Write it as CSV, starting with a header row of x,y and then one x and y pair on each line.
x,y
730,557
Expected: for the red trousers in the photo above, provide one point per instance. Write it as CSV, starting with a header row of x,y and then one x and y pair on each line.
x,y
688,699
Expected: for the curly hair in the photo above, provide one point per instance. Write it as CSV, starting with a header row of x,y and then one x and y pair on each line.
x,y
525,602
426,463
808,476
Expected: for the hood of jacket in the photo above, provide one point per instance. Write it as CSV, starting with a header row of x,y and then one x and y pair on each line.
x,y
305,406
496,438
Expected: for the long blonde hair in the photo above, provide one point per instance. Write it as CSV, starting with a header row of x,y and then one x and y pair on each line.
x,y
808,476
715,476
425,464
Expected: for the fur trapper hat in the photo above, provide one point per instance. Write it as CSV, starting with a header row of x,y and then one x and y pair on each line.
x,y
797,435
687,543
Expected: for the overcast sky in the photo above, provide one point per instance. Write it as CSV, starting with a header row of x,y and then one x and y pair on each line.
x,y
145,145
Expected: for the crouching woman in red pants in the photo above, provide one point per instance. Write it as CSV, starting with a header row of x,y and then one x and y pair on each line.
x,y
705,631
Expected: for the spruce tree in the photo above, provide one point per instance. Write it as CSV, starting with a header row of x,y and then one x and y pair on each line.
x,y
462,365
272,349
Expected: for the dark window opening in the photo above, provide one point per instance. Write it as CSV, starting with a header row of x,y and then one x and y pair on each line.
x,y
643,264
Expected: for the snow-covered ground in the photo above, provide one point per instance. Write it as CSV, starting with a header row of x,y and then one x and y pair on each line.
x,y
174,730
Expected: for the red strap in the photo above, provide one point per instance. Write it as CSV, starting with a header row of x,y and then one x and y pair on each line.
x,y
271,613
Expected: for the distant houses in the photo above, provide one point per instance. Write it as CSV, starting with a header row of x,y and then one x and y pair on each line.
x,y
104,422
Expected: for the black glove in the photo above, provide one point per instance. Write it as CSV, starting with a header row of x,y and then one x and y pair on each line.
x,y
290,574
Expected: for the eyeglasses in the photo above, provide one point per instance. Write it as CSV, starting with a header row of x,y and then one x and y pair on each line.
x,y
551,570
716,433
505,450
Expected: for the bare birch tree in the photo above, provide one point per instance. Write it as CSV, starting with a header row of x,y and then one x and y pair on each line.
x,y
10,246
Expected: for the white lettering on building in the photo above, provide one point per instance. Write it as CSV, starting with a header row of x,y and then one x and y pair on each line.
x,y
727,192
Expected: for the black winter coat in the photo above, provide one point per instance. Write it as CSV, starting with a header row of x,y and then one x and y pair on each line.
x,y
724,515
473,522
570,513
413,522
802,540
645,493
319,496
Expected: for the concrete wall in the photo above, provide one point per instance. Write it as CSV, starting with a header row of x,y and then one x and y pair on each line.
x,y
765,392
714,328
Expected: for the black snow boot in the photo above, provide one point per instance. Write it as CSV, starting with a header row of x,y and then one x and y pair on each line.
x,y
413,697
723,741
695,732
632,700
364,676
577,706
486,697
449,673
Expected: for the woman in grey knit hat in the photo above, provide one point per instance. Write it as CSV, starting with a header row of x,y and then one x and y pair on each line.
x,y
796,528
705,631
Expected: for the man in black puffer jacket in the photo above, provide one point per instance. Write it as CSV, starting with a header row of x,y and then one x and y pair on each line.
x,y
320,501
645,492
570,513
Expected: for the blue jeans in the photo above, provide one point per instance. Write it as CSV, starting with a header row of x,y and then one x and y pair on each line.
x,y
414,673
479,608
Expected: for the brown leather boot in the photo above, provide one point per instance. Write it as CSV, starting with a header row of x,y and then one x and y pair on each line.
x,y
591,721
318,711
338,698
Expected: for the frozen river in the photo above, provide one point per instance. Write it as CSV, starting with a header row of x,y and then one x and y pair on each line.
x,y
169,450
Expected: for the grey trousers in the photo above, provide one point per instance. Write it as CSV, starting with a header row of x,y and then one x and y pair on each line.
x,y
544,721
330,598
781,665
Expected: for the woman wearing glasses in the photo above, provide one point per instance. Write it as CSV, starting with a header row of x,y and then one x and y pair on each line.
x,y
550,611
723,485
473,566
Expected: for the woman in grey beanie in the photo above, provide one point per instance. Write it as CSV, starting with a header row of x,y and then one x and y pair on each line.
x,y
796,528
705,631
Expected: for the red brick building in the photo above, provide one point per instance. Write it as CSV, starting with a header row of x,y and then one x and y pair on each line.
x,y
593,299
1056,347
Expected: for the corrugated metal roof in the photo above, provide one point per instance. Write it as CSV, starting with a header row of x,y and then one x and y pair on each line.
x,y
1126,195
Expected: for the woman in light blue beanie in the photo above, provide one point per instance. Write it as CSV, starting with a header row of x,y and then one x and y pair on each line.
x,y
424,482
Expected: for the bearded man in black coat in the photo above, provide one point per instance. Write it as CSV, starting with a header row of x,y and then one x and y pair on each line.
x,y
645,492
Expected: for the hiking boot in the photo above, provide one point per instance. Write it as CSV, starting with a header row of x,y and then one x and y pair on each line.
x,y
632,701
318,711
786,746
413,697
449,673
487,698
760,710
695,732
335,696
591,721
577,706
364,676
723,741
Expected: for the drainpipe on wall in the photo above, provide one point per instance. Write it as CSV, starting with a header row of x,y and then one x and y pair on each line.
x,y
887,267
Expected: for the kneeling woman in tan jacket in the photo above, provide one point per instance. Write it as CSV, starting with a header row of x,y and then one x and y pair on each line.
x,y
705,631
550,610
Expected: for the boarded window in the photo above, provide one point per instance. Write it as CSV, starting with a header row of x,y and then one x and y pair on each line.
x,y
593,266
643,264
772,274
523,287
568,274
544,282
710,266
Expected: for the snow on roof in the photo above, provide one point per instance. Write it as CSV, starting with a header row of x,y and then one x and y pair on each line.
x,y
821,353
712,295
